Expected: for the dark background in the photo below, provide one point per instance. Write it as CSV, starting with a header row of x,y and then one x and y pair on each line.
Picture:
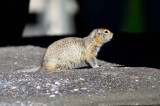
x,y
135,24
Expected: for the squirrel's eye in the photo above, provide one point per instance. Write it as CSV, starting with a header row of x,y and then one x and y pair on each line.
x,y
106,31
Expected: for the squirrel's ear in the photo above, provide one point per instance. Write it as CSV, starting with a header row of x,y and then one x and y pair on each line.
x,y
93,33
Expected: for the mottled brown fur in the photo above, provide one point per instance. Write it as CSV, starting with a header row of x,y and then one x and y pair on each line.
x,y
68,52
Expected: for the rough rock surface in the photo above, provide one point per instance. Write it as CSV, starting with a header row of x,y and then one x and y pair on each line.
x,y
107,85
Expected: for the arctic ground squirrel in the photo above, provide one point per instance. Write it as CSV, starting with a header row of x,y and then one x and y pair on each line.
x,y
71,51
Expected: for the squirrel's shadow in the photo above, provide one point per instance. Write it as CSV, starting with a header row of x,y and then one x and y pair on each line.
x,y
83,67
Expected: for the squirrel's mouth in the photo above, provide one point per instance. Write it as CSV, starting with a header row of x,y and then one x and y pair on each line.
x,y
111,35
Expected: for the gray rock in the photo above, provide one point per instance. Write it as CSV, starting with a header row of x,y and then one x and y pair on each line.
x,y
110,84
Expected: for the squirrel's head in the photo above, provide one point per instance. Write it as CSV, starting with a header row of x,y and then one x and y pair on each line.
x,y
102,33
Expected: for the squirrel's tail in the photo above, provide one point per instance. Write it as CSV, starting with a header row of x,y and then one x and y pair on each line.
x,y
29,70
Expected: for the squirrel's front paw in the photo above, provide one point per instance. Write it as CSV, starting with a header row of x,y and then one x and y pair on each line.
x,y
96,66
